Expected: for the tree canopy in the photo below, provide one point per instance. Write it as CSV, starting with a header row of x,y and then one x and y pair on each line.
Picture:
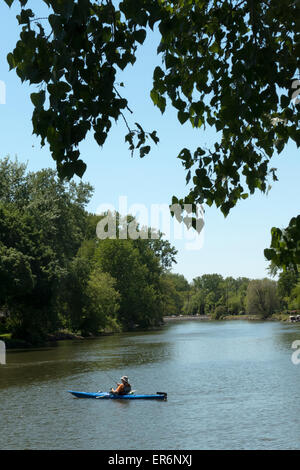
x,y
56,273
229,64
262,298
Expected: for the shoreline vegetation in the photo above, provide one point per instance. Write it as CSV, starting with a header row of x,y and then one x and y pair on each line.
x,y
66,273
64,335
283,317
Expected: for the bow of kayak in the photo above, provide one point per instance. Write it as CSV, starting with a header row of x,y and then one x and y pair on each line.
x,y
131,396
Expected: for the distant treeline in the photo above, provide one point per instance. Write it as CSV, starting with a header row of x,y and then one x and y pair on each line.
x,y
56,274
211,294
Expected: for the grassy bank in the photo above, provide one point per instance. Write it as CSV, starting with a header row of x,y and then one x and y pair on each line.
x,y
285,317
241,317
186,317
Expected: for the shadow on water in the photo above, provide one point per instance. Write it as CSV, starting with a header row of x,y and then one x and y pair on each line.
x,y
73,357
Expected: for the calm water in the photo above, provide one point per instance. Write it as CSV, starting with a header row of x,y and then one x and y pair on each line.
x,y
231,385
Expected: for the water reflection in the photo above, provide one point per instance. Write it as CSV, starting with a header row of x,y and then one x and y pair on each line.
x,y
285,335
231,385
68,358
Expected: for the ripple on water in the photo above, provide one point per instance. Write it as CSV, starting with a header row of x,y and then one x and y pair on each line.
x,y
230,386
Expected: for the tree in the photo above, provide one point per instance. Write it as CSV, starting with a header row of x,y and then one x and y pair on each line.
x,y
140,302
41,229
195,303
170,297
287,280
175,289
102,303
179,281
219,313
113,225
16,277
294,299
262,299
162,248
234,292
212,287
285,246
72,295
229,64
207,292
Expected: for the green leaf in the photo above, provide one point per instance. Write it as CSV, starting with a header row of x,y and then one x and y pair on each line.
x,y
158,100
269,254
154,137
38,99
185,155
79,168
144,150
11,61
215,48
188,177
56,24
100,137
59,90
182,116
24,17
285,101
140,35
280,145
196,121
158,73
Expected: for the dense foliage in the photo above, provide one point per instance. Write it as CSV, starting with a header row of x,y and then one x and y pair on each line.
x,y
229,64
54,271
213,295
262,298
211,292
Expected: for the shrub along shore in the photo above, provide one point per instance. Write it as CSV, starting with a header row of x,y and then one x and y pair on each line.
x,y
63,335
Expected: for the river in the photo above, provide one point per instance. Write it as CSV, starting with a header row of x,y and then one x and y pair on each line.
x,y
230,385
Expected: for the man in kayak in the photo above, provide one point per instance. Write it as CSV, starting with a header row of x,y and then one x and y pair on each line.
x,y
123,388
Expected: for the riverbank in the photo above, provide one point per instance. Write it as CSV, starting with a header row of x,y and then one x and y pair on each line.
x,y
63,335
186,317
15,343
210,318
276,317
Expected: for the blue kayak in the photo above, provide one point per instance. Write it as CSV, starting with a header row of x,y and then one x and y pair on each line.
x,y
131,396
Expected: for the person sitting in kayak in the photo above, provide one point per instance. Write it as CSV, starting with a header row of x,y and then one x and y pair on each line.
x,y
123,388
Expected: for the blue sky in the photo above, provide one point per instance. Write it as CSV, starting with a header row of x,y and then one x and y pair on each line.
x,y
232,246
